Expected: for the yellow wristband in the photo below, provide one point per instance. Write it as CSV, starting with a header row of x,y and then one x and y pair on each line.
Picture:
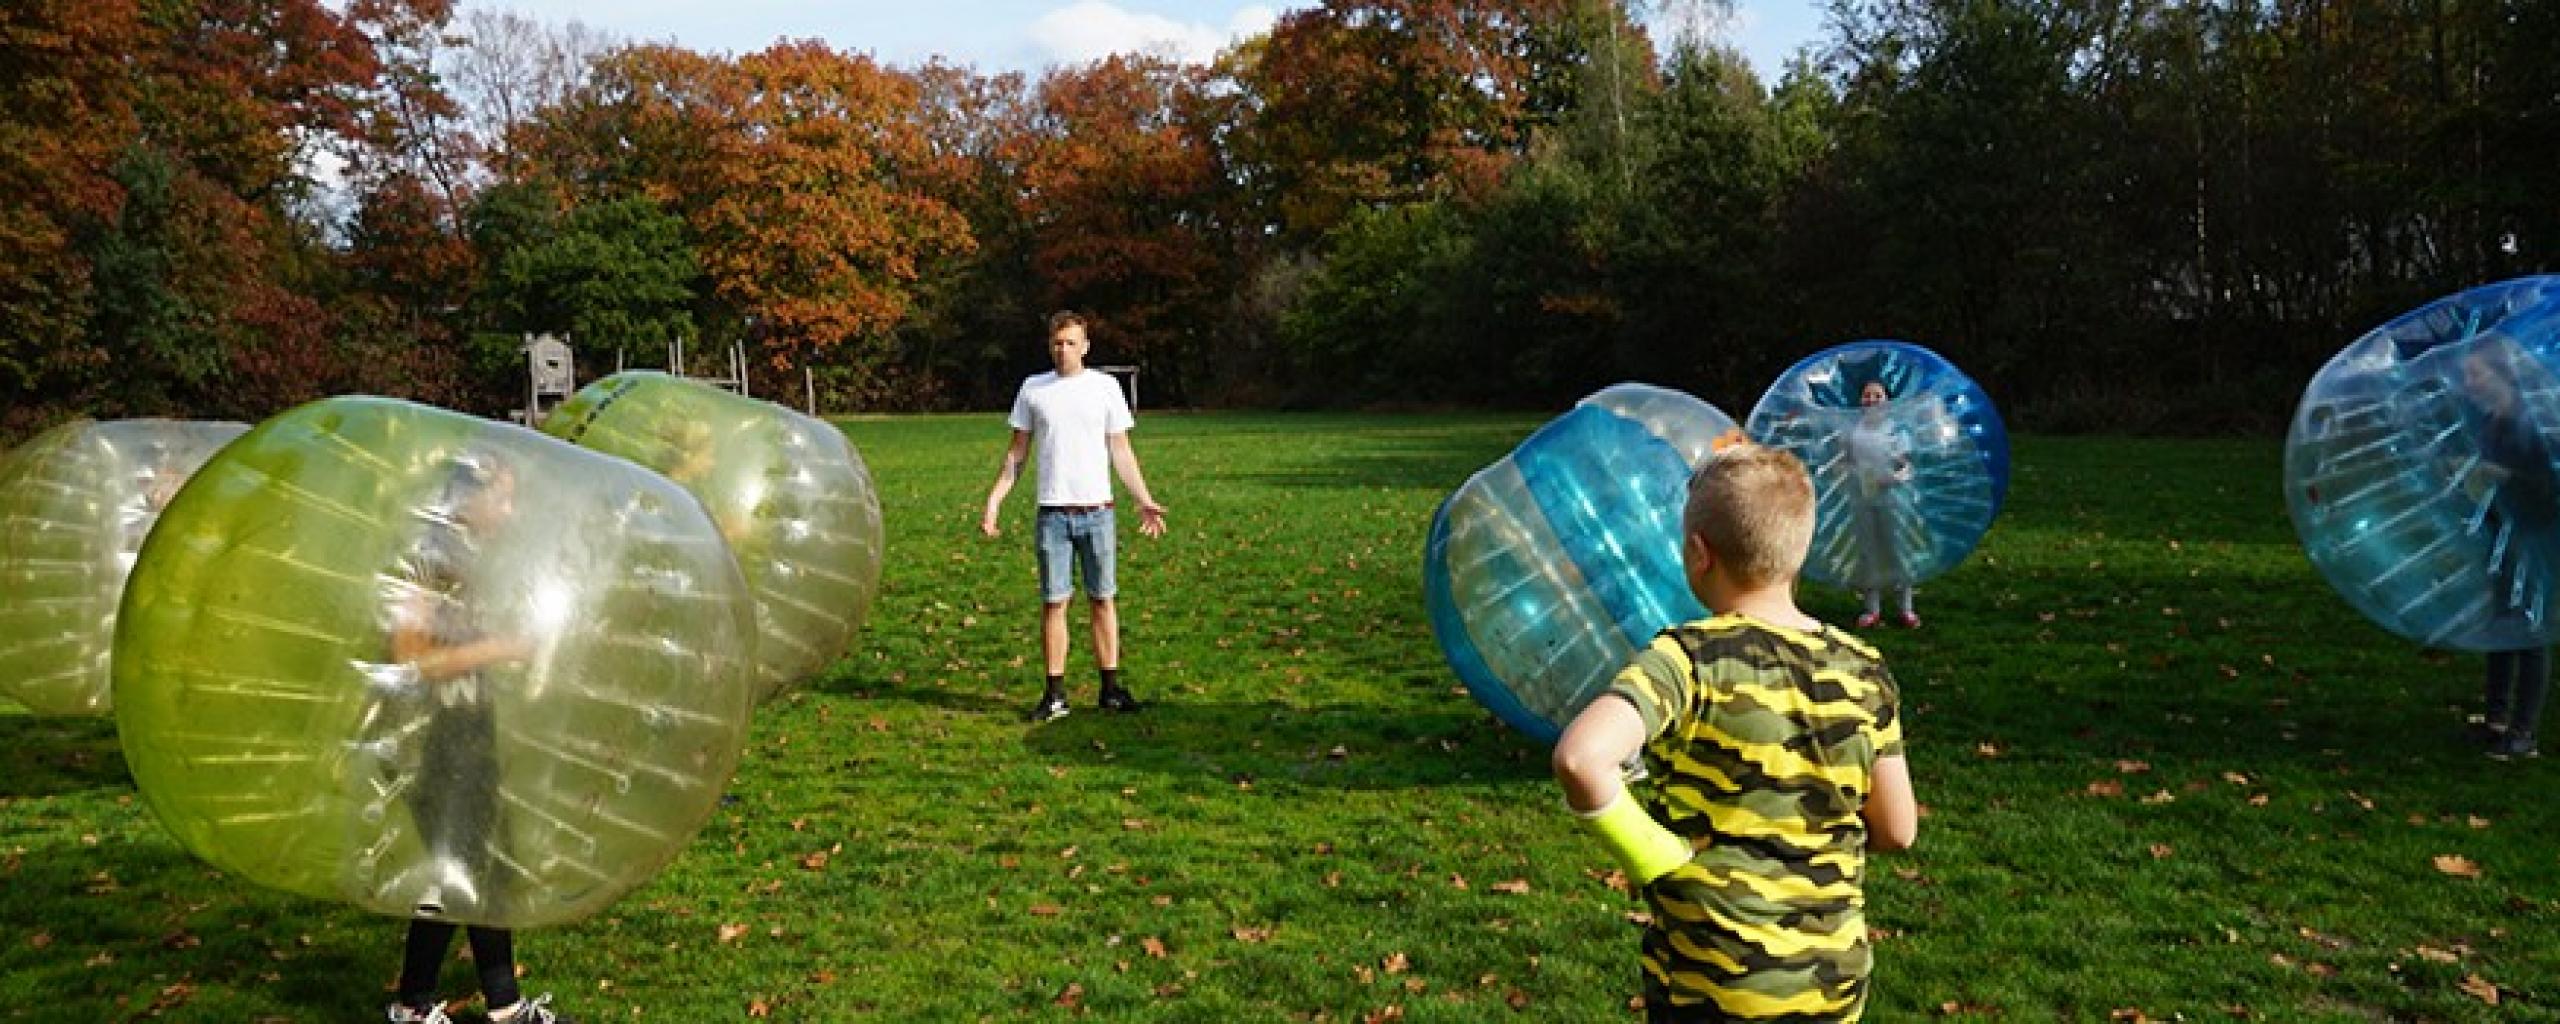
x,y
1646,849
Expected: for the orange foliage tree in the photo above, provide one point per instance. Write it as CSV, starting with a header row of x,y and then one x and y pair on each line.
x,y
798,170
1376,102
1121,187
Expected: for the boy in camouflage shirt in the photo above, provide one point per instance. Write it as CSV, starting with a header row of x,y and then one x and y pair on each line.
x,y
1775,748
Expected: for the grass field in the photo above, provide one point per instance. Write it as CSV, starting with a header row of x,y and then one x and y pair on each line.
x,y
2168,774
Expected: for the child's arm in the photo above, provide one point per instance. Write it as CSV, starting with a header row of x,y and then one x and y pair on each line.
x,y
413,645
1588,763
1591,756
1892,814
1019,450
1125,459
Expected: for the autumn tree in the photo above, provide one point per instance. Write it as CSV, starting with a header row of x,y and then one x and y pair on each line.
x,y
797,170
977,312
1120,183
1382,101
66,114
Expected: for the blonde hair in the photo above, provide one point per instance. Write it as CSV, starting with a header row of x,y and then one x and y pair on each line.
x,y
1752,506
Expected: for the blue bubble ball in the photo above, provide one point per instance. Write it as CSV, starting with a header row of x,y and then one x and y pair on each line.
x,y
1904,488
1547,570
2421,470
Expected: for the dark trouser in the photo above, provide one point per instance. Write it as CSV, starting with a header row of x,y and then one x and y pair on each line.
x,y
2518,683
456,799
493,955
456,807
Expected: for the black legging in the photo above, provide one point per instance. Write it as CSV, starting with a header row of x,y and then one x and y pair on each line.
x,y
456,807
493,954
2519,681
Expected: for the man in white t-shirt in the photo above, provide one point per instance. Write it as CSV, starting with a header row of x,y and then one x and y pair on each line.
x,y
1079,422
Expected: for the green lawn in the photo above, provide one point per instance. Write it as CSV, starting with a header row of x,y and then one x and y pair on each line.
x,y
2167,773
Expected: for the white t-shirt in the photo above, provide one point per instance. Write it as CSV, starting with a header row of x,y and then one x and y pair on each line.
x,y
1071,420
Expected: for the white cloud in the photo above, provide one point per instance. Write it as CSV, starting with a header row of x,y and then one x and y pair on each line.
x,y
1089,30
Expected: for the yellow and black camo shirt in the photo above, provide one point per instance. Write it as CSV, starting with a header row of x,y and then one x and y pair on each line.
x,y
1763,744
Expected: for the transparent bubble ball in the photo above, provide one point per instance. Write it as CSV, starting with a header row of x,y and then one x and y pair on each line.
x,y
1904,489
75,504
1548,569
2420,469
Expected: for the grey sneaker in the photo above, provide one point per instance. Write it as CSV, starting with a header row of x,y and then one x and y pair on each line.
x,y
1052,706
433,1014
2515,744
536,1010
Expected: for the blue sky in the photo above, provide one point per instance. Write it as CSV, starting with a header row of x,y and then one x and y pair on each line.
x,y
1028,35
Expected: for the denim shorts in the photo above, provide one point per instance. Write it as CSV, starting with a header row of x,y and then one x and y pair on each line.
x,y
1091,538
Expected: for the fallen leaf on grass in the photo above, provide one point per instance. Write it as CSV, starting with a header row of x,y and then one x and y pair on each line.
x,y
2108,788
2438,955
1154,946
1516,886
1244,934
1395,963
1045,910
1392,1013
2457,865
2480,988
759,1008
731,932
1457,881
1071,996
2132,767
2161,851
2161,797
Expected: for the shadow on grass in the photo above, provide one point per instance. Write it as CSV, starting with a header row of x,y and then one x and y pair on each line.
x,y
140,926
46,757
1340,745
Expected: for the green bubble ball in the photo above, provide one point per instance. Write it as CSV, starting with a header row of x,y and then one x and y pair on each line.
x,y
433,665
789,492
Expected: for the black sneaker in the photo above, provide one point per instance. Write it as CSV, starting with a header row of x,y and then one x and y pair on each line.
x,y
1052,706
1116,699
2515,745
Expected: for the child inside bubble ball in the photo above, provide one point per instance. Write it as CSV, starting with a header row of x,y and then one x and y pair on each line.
x,y
1879,453
2525,505
440,636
